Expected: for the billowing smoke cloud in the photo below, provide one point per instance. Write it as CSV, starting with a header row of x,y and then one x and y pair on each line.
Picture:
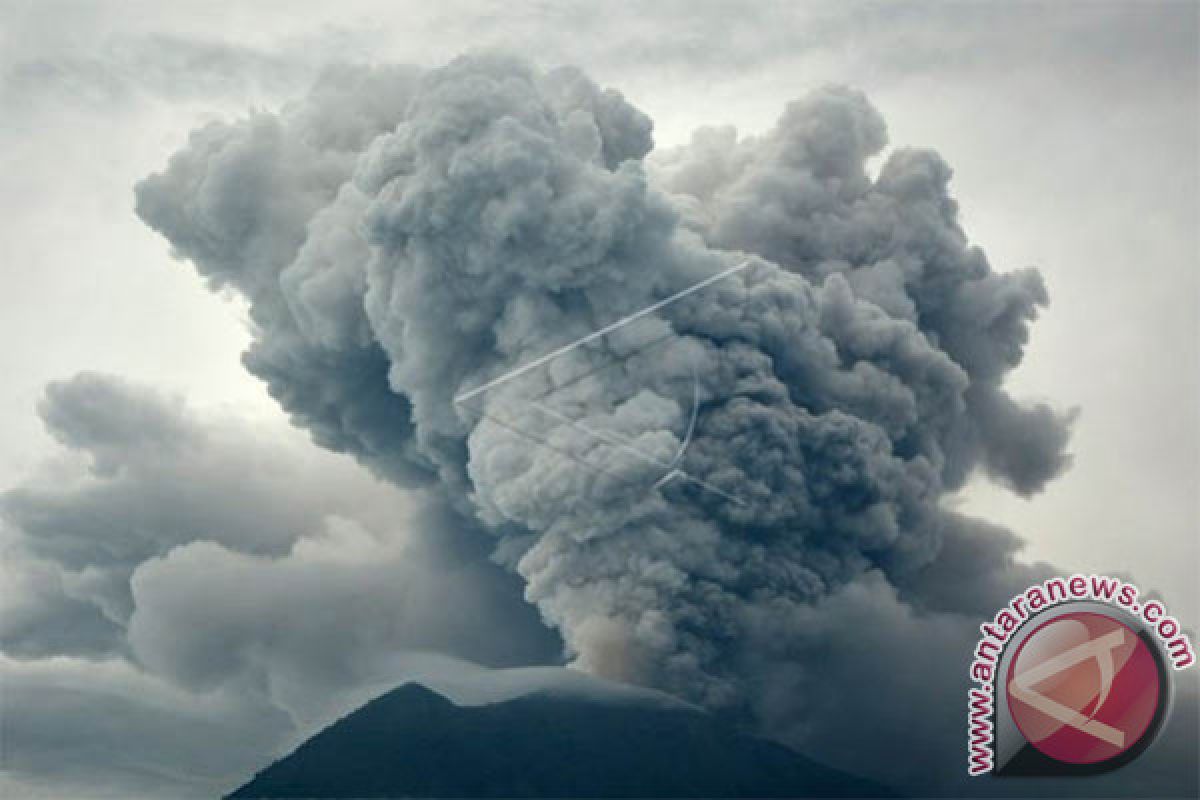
x,y
403,238
141,546
187,595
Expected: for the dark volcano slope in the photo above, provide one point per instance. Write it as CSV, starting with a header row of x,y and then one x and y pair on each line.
x,y
412,742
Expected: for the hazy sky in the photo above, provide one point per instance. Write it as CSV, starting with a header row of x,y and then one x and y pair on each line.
x,y
1072,129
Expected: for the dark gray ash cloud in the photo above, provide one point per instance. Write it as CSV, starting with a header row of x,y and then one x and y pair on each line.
x,y
69,692
402,236
442,228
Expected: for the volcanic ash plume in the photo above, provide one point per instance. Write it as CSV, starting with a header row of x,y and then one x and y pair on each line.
x,y
405,238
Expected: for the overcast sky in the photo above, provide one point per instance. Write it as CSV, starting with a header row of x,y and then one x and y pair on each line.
x,y
1072,130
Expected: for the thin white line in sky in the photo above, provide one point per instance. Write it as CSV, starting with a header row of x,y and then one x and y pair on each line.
x,y
593,336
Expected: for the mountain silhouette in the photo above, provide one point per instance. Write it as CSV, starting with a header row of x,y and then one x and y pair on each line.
x,y
413,742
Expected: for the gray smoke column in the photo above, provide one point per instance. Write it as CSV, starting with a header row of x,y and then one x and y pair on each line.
x,y
403,237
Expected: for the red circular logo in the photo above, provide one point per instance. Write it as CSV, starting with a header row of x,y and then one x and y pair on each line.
x,y
1083,688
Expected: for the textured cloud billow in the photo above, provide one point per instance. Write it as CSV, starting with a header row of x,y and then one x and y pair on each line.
x,y
403,237
187,595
